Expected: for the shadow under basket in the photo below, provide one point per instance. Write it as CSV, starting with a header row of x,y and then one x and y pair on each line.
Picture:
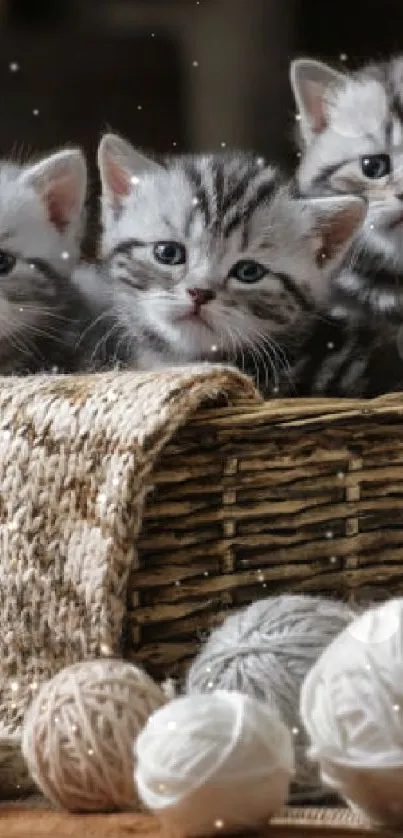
x,y
301,496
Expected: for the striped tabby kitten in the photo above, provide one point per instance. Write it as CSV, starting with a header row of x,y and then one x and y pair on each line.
x,y
209,258
43,315
351,132
338,357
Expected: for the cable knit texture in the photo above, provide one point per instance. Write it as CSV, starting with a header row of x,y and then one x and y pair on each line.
x,y
76,461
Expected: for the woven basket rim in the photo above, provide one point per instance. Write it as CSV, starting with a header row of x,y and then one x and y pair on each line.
x,y
278,410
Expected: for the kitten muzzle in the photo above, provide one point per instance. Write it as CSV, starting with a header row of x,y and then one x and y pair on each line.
x,y
200,297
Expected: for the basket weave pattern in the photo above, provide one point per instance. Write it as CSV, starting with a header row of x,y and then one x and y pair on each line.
x,y
296,495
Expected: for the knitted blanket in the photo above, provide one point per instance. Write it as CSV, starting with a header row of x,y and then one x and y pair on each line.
x,y
76,462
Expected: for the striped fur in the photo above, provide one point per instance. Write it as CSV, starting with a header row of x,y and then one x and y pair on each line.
x,y
339,358
222,210
346,118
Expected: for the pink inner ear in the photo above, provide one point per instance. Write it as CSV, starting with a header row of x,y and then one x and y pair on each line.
x,y
117,178
337,230
315,104
61,201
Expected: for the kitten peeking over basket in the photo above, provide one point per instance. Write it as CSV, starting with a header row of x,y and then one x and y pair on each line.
x,y
210,258
351,139
41,225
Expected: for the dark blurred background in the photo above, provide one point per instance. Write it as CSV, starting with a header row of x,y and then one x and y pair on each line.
x,y
172,75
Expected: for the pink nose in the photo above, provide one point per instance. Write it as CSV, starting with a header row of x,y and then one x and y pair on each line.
x,y
201,296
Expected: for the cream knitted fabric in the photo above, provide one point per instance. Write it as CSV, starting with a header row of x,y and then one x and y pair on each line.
x,y
76,457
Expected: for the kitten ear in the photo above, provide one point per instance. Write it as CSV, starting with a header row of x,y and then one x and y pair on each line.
x,y
120,165
310,80
335,221
61,182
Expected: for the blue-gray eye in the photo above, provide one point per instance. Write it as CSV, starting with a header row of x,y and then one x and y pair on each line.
x,y
7,262
170,253
375,166
247,270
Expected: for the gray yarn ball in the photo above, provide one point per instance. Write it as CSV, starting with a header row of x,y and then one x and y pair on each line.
x,y
266,650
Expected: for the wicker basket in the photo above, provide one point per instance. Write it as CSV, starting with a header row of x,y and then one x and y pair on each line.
x,y
297,495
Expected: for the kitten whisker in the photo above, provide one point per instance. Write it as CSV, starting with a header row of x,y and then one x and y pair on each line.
x,y
244,342
93,323
265,342
41,311
96,352
264,352
125,340
17,338
261,356
229,334
36,331
239,350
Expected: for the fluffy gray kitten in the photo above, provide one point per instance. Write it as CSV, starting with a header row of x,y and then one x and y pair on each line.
x,y
45,319
351,132
209,258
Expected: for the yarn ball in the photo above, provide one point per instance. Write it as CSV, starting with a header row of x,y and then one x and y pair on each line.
x,y
352,708
78,734
214,763
266,651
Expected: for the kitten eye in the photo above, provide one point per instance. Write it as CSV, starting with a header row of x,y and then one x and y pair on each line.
x,y
247,270
376,165
7,262
170,253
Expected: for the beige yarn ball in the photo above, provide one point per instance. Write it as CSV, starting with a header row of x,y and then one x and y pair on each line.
x,y
79,733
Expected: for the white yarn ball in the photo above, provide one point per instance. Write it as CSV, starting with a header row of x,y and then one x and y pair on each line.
x,y
215,762
352,708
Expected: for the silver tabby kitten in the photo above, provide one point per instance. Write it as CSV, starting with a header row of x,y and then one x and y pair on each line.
x,y
210,259
351,131
44,317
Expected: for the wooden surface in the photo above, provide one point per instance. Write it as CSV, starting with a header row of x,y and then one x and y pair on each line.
x,y
21,821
